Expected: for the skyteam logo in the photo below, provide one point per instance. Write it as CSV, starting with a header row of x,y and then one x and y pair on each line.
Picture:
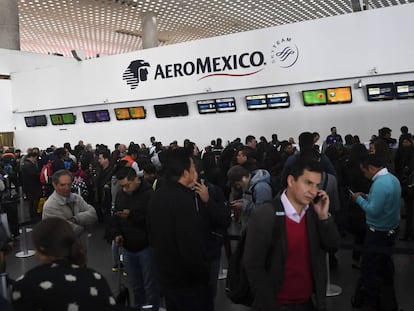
x,y
284,53
136,72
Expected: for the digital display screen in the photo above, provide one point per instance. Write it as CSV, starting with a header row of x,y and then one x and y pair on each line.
x,y
255,102
122,113
68,118
96,116
339,95
171,110
30,121
404,90
137,112
278,100
383,91
40,120
314,97
56,119
226,104
102,115
206,106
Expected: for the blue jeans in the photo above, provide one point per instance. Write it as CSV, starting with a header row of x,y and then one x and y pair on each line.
x,y
142,277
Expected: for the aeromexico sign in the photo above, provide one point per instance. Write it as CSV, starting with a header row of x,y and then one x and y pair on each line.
x,y
236,65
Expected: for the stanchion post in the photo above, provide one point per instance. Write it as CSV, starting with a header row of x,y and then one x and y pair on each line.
x,y
24,253
4,288
331,289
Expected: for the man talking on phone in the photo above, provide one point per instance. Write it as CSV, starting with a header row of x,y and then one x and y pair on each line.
x,y
286,244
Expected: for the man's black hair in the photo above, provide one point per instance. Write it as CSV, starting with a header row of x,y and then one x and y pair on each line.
x,y
374,159
125,172
133,149
404,129
299,167
32,154
249,138
60,152
175,162
305,140
105,153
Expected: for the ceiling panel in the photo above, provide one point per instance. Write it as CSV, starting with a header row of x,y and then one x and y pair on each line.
x,y
109,27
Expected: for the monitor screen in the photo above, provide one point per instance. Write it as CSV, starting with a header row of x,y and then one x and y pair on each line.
x,y
68,118
41,120
278,100
255,102
56,119
122,114
137,112
314,97
206,106
89,116
171,110
102,115
339,95
404,90
96,116
383,91
226,104
30,121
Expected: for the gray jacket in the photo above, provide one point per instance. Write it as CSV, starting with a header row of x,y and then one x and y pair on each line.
x,y
74,209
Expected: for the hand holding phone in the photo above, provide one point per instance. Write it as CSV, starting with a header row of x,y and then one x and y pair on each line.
x,y
316,199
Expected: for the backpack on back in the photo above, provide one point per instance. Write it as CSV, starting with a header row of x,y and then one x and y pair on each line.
x,y
46,173
237,284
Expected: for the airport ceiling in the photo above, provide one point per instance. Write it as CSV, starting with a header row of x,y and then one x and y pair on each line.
x,y
108,27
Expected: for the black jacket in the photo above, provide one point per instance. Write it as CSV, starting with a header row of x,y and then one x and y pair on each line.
x,y
179,226
30,177
134,227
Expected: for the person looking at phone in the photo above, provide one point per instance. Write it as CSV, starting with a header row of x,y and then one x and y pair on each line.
x,y
255,186
129,230
286,269
382,211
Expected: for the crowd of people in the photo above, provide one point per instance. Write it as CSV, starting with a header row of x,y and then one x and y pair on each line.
x,y
168,209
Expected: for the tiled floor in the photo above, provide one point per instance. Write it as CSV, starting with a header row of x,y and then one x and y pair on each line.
x,y
99,258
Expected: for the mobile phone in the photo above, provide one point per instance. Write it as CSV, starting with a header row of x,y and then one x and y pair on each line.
x,y
351,192
316,199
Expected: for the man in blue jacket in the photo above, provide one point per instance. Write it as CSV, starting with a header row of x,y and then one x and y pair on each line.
x,y
382,210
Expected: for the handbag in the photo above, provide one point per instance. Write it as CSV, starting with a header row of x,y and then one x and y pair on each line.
x,y
42,201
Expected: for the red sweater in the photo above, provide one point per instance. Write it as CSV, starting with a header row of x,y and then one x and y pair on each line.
x,y
297,284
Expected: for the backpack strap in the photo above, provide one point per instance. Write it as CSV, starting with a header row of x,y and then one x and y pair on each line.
x,y
279,219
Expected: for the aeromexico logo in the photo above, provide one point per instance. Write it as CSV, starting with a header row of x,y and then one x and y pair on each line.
x,y
236,65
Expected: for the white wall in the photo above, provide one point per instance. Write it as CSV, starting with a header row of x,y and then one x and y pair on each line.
x,y
336,51
12,61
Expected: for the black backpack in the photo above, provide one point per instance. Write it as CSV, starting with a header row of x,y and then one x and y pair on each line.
x,y
237,285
